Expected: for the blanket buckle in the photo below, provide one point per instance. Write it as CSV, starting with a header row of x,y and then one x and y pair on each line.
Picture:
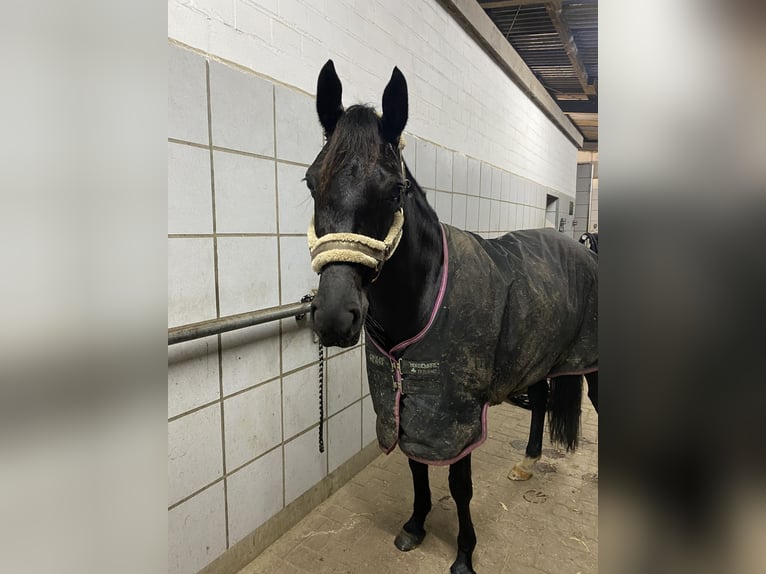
x,y
396,366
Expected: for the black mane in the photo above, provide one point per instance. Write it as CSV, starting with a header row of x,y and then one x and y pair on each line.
x,y
356,138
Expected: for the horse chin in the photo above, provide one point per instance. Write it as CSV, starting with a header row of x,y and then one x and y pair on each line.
x,y
334,341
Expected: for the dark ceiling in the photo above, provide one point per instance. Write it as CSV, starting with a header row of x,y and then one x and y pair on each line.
x,y
558,40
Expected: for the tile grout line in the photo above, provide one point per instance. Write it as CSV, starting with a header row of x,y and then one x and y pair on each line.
x,y
256,385
297,435
236,152
275,82
210,235
217,302
279,291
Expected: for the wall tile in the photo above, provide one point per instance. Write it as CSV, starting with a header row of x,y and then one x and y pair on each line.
x,y
295,204
195,458
484,214
459,210
345,435
245,194
443,169
298,278
344,380
197,531
505,186
365,379
517,189
426,164
494,215
497,183
190,199
304,464
473,177
505,224
192,374
242,107
252,423
472,214
191,281
298,345
431,197
532,193
444,206
250,356
187,96
459,173
368,422
410,152
254,494
486,180
513,217
300,400
247,274
299,134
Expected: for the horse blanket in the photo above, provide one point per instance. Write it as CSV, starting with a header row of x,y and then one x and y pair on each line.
x,y
510,312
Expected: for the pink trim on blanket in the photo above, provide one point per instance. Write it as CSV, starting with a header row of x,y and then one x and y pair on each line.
x,y
467,450
437,303
404,344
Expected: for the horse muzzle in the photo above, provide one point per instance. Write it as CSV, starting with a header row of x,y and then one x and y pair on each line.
x,y
340,306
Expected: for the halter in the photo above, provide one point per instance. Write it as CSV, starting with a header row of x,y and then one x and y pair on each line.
x,y
356,248
353,247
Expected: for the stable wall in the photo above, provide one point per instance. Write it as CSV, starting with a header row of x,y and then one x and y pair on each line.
x,y
243,461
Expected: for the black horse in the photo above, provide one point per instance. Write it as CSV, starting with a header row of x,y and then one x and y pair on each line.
x,y
454,323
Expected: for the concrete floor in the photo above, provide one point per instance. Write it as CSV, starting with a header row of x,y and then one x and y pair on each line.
x,y
547,524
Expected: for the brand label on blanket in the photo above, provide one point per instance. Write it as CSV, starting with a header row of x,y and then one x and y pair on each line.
x,y
408,367
420,367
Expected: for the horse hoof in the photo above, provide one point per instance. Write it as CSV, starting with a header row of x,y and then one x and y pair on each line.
x,y
519,473
406,541
461,568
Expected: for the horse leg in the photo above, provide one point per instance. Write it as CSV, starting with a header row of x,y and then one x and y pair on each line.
x,y
461,488
538,400
413,532
592,379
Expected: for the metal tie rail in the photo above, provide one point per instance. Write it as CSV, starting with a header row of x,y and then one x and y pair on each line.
x,y
233,322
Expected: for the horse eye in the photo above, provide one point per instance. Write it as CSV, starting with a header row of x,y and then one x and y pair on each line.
x,y
310,186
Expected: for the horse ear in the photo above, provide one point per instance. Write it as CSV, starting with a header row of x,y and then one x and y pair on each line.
x,y
329,91
394,107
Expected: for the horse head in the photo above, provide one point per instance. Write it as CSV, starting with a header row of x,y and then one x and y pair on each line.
x,y
357,183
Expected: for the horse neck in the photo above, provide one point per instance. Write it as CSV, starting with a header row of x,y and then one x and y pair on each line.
x,y
402,298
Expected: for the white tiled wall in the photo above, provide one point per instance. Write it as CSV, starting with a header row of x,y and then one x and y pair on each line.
x,y
243,406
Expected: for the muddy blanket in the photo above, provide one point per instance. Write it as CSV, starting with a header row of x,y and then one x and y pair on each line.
x,y
513,311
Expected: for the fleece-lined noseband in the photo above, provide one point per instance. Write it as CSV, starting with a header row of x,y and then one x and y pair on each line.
x,y
353,247
356,248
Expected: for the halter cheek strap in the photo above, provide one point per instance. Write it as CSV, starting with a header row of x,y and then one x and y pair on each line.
x,y
354,248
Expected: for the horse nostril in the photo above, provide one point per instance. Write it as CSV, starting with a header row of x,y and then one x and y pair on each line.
x,y
355,316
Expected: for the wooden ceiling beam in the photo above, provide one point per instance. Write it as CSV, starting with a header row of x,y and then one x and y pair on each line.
x,y
567,39
578,106
510,3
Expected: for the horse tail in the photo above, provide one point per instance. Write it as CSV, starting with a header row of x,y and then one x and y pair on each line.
x,y
564,407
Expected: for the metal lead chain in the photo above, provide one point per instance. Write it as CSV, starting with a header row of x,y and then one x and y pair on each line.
x,y
306,299
321,397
